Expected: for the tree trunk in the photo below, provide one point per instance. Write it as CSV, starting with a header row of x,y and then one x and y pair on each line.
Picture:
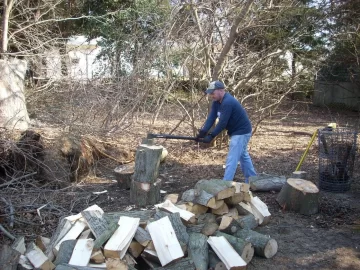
x,y
300,196
13,112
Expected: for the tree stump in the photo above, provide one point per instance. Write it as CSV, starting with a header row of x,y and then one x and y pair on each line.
x,y
123,174
300,196
145,187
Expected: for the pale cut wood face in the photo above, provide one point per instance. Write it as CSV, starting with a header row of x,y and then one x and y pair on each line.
x,y
303,185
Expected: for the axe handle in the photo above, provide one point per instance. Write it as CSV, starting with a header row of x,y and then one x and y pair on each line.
x,y
167,136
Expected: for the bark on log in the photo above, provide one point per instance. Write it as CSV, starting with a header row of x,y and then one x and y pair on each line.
x,y
123,175
264,246
214,262
209,229
143,215
299,195
219,188
142,236
65,252
194,228
247,222
199,250
229,225
242,247
9,258
65,266
112,227
265,182
142,194
197,196
185,263
147,161
178,226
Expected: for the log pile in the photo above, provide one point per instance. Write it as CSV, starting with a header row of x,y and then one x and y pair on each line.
x,y
210,227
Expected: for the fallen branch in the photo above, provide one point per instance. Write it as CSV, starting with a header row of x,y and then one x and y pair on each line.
x,y
7,233
16,179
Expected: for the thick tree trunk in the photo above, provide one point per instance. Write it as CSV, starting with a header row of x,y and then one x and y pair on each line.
x,y
13,112
300,196
199,250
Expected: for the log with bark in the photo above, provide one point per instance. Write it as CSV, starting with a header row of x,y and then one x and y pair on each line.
x,y
145,186
243,248
266,182
199,251
264,246
9,258
219,188
299,195
123,175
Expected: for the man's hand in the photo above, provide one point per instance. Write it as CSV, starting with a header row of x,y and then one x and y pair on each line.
x,y
207,139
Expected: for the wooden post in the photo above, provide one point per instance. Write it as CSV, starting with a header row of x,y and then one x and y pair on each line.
x,y
299,195
145,187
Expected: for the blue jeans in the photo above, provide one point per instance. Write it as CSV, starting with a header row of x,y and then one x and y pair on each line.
x,y
238,152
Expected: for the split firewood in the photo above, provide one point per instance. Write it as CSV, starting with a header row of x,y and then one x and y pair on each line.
x,y
196,209
143,215
235,199
244,208
119,242
116,264
95,220
198,196
199,250
184,263
174,198
9,257
166,244
130,260
233,212
111,229
215,204
82,252
206,218
151,258
86,234
260,211
176,223
224,209
214,262
97,256
62,229
226,253
243,248
247,222
209,228
264,246
219,188
73,233
266,182
244,187
19,245
195,228
229,225
299,195
90,266
24,264
42,242
142,236
135,249
65,252
185,215
247,196
38,258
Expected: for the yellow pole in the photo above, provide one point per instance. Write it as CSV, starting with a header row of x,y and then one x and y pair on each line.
x,y
307,150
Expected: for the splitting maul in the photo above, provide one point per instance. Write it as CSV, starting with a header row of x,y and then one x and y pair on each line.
x,y
168,136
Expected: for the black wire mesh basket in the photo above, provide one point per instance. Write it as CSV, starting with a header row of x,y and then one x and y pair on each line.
x,y
337,151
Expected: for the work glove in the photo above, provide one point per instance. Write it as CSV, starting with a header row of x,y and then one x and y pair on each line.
x,y
201,134
207,139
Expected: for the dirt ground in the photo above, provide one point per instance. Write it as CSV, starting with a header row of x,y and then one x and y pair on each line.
x,y
327,240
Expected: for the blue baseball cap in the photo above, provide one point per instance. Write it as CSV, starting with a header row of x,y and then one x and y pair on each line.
x,y
213,86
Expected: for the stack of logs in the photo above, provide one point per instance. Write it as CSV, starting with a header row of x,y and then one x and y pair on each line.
x,y
208,227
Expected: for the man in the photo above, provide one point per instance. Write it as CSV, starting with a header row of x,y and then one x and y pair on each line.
x,y
232,117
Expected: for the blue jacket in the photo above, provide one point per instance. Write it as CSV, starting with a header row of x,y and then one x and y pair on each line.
x,y
232,116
